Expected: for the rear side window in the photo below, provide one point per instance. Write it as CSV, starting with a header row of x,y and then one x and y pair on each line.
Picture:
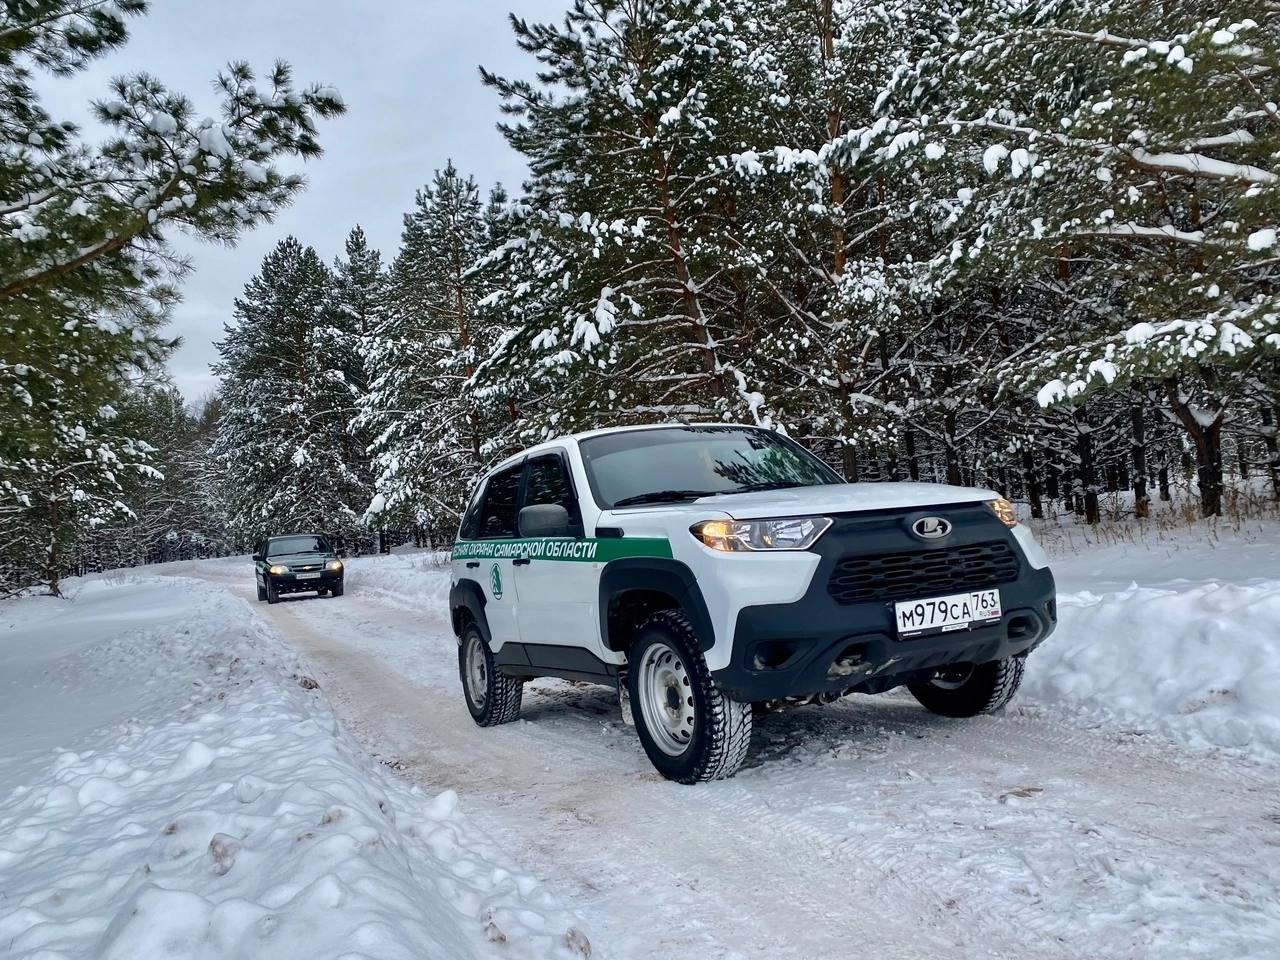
x,y
470,527
549,482
498,512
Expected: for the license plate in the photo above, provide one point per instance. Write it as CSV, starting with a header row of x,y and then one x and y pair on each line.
x,y
308,576
959,611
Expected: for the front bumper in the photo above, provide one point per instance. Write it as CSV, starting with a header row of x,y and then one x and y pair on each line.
x,y
820,646
290,583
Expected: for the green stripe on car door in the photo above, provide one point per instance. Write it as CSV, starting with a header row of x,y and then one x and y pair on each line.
x,y
589,550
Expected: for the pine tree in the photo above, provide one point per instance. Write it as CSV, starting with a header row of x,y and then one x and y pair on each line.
x,y
86,275
284,441
624,290
1143,169
431,433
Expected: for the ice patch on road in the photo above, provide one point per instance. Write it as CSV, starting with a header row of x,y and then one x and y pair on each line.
x,y
224,813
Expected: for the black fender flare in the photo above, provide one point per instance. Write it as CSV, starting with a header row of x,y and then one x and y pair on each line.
x,y
661,575
467,597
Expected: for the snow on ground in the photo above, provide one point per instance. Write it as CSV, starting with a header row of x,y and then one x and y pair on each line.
x,y
174,785
1125,807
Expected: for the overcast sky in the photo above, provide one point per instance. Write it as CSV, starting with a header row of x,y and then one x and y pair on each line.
x,y
408,73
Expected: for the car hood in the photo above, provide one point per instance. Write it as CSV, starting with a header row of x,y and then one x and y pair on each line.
x,y
829,499
299,559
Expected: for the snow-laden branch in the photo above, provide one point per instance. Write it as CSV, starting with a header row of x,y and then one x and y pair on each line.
x,y
1199,165
1142,232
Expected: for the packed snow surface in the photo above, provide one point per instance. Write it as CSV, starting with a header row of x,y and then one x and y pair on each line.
x,y
206,804
172,786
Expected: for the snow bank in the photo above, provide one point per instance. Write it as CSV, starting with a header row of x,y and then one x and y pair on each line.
x,y
419,578
1181,636
223,812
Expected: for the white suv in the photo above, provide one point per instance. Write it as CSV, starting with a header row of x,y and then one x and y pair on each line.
x,y
706,568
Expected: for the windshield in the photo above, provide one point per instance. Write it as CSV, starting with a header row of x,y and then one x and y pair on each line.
x,y
634,467
287,545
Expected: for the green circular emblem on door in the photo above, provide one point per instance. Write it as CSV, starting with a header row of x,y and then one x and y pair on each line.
x,y
495,581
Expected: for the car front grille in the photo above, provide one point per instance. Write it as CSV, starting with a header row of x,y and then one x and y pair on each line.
x,y
926,573
307,567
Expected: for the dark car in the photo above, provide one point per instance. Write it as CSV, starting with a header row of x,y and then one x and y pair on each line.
x,y
297,563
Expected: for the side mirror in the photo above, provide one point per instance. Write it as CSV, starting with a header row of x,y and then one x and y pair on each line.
x,y
257,558
545,520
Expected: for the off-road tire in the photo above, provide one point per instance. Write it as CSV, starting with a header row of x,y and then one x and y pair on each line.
x,y
502,693
273,595
722,726
989,688
336,591
262,591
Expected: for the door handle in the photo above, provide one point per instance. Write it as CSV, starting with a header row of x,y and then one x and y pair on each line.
x,y
472,564
521,562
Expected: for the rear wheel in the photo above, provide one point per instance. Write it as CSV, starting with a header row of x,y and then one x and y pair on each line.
x,y
966,689
492,696
690,729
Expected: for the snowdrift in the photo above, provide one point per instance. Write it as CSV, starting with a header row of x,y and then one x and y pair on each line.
x,y
224,813
1200,662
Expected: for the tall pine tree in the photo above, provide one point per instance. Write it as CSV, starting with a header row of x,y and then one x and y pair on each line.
x,y
430,431
287,365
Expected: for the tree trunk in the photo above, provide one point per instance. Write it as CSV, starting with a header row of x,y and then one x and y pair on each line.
x,y
849,454
1273,448
1031,479
1138,426
53,556
949,449
1206,434
1088,472
913,461
690,301
835,114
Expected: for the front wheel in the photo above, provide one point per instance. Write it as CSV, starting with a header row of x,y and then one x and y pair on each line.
x,y
262,591
690,729
336,591
492,697
966,690
273,595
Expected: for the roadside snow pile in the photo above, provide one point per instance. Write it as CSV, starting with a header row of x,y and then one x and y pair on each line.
x,y
223,813
1190,648
418,579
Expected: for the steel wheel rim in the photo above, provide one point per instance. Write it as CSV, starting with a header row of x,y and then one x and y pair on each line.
x,y
477,672
666,699
952,678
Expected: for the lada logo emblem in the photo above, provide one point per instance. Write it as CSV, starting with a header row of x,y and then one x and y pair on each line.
x,y
931,528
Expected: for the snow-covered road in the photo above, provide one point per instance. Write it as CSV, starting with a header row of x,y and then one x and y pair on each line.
x,y
868,825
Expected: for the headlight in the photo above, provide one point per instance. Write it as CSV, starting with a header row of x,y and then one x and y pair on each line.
x,y
731,536
1004,511
277,569
334,566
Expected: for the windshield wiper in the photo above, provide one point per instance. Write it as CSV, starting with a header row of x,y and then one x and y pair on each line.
x,y
773,485
663,496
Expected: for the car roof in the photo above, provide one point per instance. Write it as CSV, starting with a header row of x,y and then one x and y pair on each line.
x,y
557,443
289,536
